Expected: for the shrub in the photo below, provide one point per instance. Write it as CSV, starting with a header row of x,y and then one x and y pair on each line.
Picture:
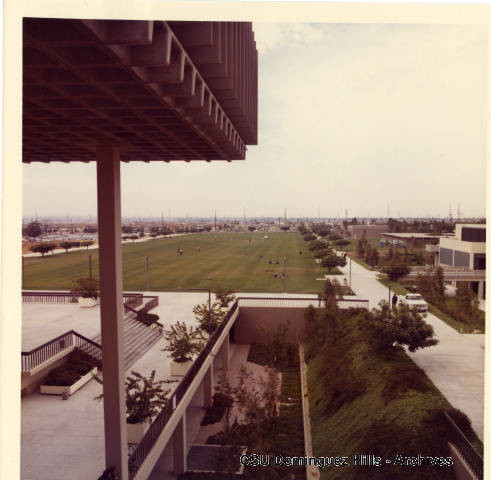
x,y
317,245
308,237
183,342
402,379
342,242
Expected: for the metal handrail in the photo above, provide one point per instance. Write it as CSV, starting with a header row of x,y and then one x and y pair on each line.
x,y
148,441
468,452
44,352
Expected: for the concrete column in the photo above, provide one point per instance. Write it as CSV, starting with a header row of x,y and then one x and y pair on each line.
x,y
111,286
225,353
208,387
480,290
180,446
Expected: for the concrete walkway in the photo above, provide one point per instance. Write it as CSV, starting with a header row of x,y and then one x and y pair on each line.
x,y
455,365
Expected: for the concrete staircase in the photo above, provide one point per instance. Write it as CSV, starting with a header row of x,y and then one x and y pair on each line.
x,y
137,340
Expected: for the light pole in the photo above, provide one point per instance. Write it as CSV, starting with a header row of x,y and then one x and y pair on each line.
x,y
148,276
284,274
350,273
90,267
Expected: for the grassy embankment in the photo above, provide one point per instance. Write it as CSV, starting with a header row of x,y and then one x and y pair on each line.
x,y
365,402
236,261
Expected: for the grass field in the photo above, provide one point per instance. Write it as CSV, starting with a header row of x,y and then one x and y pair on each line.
x,y
232,260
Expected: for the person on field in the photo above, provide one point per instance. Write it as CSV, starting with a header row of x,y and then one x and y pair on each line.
x,y
394,301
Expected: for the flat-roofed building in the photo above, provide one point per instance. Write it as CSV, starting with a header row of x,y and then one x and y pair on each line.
x,y
465,254
367,231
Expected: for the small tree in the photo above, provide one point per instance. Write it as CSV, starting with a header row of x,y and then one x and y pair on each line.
x,y
86,288
145,397
32,229
183,342
86,243
342,242
66,246
308,237
251,228
133,237
224,297
208,319
396,270
400,326
224,397
332,260
42,248
317,245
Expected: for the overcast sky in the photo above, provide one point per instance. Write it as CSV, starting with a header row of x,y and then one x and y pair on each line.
x,y
350,116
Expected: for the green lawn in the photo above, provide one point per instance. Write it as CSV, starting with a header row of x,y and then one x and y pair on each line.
x,y
232,260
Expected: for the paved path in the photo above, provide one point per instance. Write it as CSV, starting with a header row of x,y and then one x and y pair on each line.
x,y
455,365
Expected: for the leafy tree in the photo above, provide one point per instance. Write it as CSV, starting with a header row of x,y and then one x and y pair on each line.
x,y
322,253
400,326
224,297
251,228
396,270
224,396
308,237
334,236
86,288
145,397
342,242
90,229
66,246
183,342
317,245
208,318
371,256
323,233
87,243
361,247
285,228
32,229
332,260
127,229
133,237
42,248
466,303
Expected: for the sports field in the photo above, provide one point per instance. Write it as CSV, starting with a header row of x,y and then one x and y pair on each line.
x,y
237,261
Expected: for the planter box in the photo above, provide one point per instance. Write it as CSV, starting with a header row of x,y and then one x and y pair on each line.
x,y
180,369
58,390
86,302
135,431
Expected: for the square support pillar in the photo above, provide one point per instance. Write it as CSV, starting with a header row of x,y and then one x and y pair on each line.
x,y
111,301
180,446
208,387
480,290
225,353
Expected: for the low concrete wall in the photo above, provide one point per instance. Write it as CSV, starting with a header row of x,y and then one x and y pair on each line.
x,y
252,322
30,381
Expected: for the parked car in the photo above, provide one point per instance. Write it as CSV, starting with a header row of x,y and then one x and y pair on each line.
x,y
415,300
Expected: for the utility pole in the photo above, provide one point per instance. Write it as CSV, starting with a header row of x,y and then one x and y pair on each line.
x,y
148,276
284,274
350,273
90,267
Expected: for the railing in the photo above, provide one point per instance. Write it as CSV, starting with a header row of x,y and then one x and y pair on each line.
x,y
68,297
39,355
148,441
298,302
459,440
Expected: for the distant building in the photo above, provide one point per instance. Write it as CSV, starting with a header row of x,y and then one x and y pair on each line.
x,y
466,253
367,231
